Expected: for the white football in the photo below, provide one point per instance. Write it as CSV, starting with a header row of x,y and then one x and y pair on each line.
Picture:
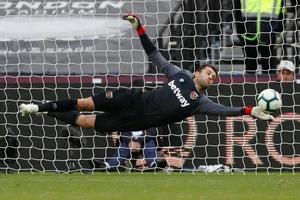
x,y
269,101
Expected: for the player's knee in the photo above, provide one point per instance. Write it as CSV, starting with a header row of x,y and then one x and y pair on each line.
x,y
86,104
86,121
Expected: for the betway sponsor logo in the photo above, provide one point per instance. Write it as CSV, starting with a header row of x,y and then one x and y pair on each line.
x,y
178,94
56,7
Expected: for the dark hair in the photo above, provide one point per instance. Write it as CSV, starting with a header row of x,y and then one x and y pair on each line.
x,y
201,67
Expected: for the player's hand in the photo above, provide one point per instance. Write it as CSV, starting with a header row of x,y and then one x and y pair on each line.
x,y
134,20
258,113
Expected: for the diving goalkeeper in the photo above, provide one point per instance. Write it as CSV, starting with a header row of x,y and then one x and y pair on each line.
x,y
133,110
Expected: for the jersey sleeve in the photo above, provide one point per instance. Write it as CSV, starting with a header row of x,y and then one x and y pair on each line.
x,y
162,64
209,107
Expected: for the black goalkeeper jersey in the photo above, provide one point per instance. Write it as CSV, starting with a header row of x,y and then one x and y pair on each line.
x,y
179,98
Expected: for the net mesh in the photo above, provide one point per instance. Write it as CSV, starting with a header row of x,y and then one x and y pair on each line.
x,y
53,50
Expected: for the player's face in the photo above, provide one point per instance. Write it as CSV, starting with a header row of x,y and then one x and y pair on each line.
x,y
205,78
285,76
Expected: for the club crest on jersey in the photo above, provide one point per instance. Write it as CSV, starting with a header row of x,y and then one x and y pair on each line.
x,y
194,95
109,95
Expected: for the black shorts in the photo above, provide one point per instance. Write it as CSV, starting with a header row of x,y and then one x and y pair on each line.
x,y
123,111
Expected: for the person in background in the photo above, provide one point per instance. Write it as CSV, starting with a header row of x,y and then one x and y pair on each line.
x,y
258,22
130,145
286,71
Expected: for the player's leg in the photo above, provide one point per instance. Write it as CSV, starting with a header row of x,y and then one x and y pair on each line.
x,y
105,101
104,122
114,102
75,118
110,101
85,104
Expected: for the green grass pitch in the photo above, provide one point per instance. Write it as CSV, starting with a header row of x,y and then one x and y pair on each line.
x,y
229,186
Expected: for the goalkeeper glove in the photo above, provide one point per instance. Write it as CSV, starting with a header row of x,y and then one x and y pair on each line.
x,y
258,113
135,22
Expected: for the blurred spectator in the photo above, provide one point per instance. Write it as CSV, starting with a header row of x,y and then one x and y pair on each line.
x,y
286,71
257,24
130,145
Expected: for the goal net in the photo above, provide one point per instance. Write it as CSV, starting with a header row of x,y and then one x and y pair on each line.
x,y
53,50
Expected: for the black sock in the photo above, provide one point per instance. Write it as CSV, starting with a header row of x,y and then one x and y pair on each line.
x,y
67,117
59,106
147,44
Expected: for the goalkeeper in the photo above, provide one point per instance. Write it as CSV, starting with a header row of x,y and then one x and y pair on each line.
x,y
133,110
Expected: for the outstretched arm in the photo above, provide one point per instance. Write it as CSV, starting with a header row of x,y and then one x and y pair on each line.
x,y
154,55
209,107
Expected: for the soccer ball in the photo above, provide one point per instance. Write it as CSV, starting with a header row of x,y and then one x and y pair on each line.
x,y
269,101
